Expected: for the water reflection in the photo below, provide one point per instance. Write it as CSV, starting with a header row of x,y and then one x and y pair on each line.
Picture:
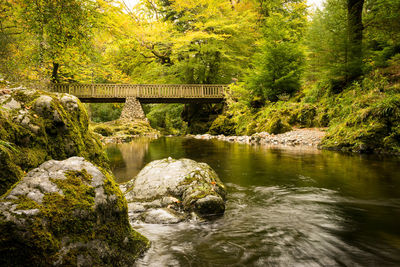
x,y
127,159
285,207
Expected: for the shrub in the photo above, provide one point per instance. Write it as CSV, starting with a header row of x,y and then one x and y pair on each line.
x,y
276,126
105,111
222,125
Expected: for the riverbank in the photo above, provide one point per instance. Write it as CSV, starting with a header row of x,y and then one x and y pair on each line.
x,y
123,131
310,137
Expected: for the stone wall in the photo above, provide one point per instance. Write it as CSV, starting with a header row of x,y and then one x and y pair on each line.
x,y
132,109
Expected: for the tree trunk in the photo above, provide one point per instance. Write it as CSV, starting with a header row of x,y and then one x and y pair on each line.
x,y
355,36
54,74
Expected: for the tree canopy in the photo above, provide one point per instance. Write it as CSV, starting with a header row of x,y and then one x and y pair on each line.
x,y
274,47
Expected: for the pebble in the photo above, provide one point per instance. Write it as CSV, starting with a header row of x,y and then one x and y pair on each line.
x,y
297,137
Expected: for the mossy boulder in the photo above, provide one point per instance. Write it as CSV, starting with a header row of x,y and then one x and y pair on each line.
x,y
67,213
170,190
40,126
124,130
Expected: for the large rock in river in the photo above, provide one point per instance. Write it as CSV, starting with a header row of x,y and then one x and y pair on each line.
x,y
170,190
36,126
67,213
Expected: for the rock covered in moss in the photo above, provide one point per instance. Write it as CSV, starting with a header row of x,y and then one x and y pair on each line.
x,y
67,213
170,190
39,126
123,130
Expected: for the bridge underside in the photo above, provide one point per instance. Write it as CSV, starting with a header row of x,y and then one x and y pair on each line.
x,y
151,100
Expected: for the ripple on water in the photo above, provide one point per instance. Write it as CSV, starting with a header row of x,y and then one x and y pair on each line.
x,y
262,226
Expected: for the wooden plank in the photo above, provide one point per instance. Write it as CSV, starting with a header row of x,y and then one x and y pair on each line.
x,y
141,90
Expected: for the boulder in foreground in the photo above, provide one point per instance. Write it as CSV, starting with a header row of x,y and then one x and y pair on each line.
x,y
36,126
170,190
67,213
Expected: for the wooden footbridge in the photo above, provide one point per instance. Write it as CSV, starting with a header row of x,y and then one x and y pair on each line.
x,y
145,93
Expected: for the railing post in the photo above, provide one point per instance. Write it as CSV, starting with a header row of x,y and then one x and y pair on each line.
x,y
202,90
181,90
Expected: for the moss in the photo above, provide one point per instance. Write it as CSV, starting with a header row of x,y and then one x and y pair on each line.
x,y
304,116
10,173
199,188
372,125
111,188
251,128
222,125
103,130
26,96
59,133
276,126
25,203
120,128
322,119
362,117
68,218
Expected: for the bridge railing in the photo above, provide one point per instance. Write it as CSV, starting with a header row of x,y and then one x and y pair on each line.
x,y
141,90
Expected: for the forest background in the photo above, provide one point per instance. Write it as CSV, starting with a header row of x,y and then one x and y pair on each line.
x,y
335,67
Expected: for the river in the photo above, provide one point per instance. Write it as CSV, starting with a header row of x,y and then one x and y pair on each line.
x,y
285,207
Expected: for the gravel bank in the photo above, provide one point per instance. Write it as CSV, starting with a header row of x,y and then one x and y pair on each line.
x,y
298,137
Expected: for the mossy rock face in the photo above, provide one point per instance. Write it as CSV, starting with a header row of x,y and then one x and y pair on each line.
x,y
41,126
67,213
170,190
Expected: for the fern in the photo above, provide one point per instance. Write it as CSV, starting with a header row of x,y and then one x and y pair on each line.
x,y
4,145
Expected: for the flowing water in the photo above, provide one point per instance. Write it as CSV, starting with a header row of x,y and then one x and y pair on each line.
x,y
285,207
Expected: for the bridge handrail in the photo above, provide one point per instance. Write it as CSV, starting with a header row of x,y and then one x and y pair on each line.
x,y
141,90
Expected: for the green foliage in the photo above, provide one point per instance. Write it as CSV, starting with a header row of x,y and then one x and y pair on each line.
x,y
304,116
382,24
222,125
105,111
280,73
330,54
189,41
103,130
126,129
10,172
48,37
278,66
327,43
166,118
365,116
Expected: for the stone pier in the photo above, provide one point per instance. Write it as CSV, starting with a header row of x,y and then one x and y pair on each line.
x,y
132,109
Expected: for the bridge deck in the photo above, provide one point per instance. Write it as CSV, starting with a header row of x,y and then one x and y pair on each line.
x,y
146,93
